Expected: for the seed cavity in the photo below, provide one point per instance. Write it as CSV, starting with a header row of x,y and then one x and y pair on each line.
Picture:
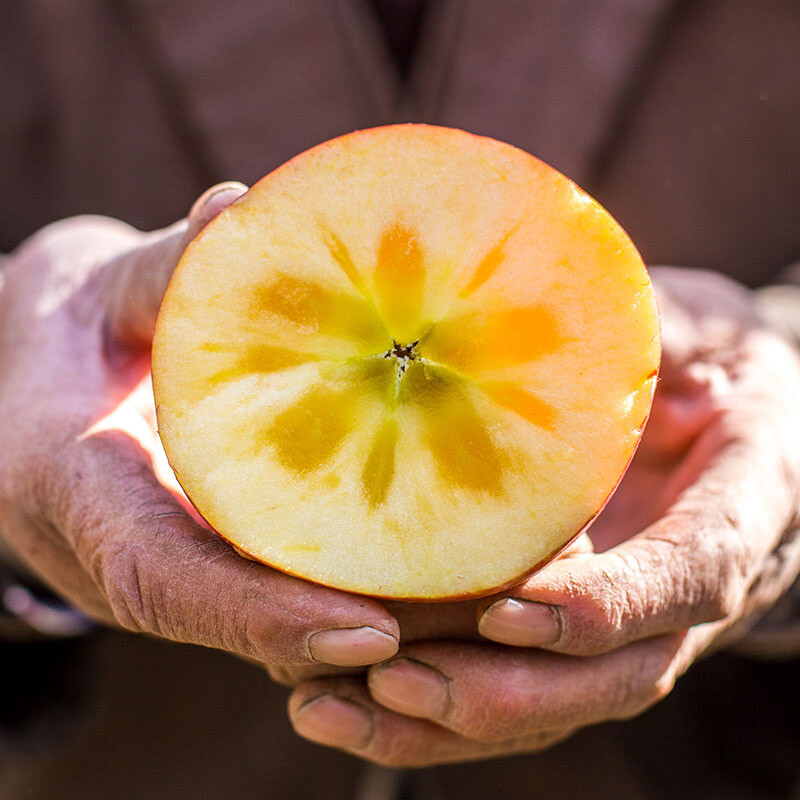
x,y
404,354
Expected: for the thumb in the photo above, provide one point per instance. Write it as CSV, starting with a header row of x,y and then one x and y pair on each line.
x,y
136,279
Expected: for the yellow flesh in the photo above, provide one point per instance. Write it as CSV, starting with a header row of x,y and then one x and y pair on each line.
x,y
304,430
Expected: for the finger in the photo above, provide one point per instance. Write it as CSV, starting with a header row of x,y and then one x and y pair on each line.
x,y
693,565
701,310
435,620
420,621
164,574
580,546
491,694
340,713
294,675
137,279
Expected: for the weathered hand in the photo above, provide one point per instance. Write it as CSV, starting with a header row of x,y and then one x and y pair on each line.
x,y
700,538
86,498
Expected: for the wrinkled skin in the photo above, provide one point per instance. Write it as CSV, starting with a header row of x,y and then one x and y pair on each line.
x,y
696,544
86,499
699,540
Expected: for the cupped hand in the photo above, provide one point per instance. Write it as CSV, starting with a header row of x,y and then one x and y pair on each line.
x,y
87,501
700,539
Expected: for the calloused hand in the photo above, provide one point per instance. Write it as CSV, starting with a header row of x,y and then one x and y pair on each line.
x,y
87,501
700,539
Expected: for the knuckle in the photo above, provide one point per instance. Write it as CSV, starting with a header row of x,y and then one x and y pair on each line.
x,y
495,723
123,570
661,688
710,565
722,602
117,570
655,677
655,688
646,695
651,692
725,581
501,713
592,623
141,600
598,617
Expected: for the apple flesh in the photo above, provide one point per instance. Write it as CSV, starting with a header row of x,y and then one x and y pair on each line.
x,y
412,363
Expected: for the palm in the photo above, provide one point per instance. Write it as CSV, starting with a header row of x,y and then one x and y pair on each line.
x,y
654,478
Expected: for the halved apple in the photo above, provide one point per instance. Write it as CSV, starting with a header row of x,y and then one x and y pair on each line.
x,y
412,363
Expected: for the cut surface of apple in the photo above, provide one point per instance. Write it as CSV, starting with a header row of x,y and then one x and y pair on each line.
x,y
411,363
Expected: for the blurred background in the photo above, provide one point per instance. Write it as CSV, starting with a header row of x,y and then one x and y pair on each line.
x,y
682,118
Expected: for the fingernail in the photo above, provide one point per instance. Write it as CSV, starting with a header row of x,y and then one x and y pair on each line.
x,y
520,622
411,687
217,189
351,647
328,719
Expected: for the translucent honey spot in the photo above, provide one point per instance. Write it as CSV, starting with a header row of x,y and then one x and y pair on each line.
x,y
261,360
488,266
341,255
374,376
378,472
454,431
400,280
522,402
302,302
307,434
315,309
464,451
477,342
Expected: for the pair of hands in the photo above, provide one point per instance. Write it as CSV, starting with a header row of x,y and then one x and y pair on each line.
x,y
696,543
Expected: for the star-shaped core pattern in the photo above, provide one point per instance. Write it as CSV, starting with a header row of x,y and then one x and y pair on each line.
x,y
433,365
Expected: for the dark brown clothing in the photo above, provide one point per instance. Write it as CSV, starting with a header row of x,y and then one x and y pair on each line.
x,y
683,118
